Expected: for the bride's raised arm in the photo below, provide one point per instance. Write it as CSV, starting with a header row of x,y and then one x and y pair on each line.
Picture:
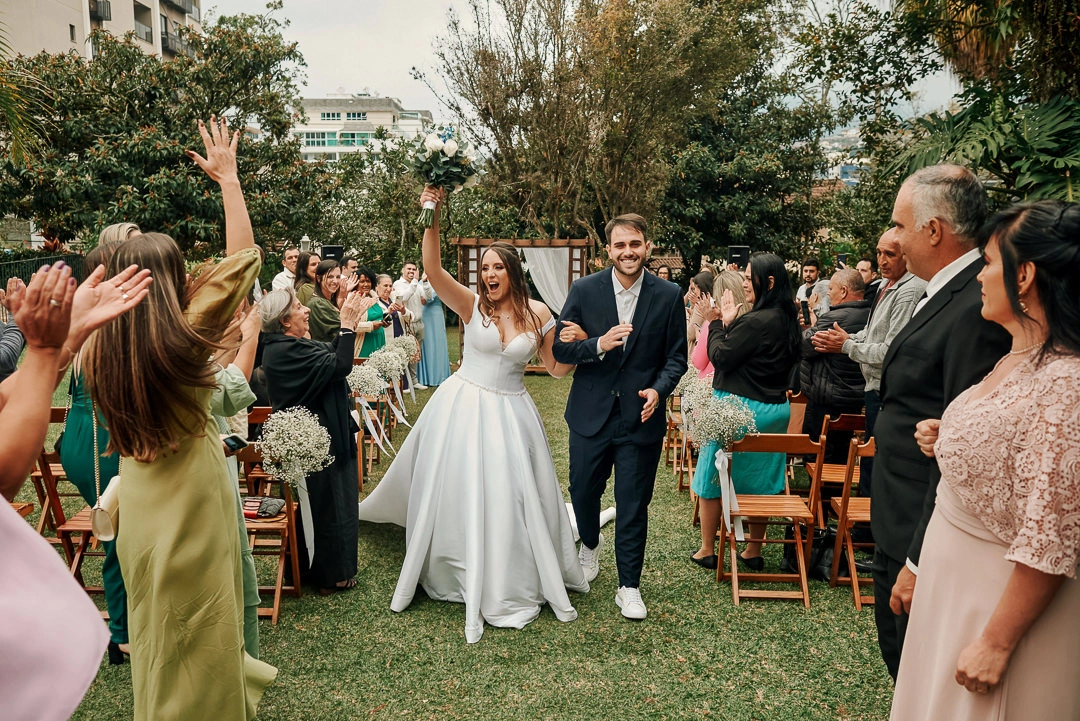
x,y
456,296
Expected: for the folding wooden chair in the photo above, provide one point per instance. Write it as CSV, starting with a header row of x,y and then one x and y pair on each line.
x,y
45,478
674,428
850,511
23,509
275,537
834,473
781,509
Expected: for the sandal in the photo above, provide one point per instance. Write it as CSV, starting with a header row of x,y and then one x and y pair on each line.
x,y
340,586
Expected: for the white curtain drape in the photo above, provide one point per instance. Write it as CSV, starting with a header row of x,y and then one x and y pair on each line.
x,y
549,268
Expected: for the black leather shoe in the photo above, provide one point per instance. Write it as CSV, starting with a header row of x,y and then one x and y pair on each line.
x,y
756,563
116,656
708,562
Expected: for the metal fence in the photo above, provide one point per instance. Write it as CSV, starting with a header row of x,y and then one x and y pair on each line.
x,y
28,266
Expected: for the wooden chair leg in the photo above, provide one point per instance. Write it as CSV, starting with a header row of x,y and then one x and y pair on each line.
x,y
801,554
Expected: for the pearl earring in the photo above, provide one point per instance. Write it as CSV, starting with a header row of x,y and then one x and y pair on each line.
x,y
1023,307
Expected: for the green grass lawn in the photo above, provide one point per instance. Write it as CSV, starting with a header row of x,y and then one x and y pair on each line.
x,y
697,655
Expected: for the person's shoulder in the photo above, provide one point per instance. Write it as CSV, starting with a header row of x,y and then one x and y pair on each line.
x,y
540,308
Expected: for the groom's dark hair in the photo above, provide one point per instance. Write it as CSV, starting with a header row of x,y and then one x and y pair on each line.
x,y
633,220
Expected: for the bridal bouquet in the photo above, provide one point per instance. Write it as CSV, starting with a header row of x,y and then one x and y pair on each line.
x,y
294,445
722,420
365,380
440,160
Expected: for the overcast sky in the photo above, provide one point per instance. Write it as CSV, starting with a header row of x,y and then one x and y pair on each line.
x,y
370,45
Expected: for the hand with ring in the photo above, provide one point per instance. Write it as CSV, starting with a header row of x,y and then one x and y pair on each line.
x,y
97,301
42,309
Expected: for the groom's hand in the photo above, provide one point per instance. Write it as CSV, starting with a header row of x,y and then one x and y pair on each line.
x,y
615,337
652,399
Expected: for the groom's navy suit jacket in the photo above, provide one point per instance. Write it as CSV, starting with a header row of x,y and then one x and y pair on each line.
x,y
653,355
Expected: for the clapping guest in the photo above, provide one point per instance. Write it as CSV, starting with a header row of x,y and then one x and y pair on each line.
x,y
726,280
754,356
311,374
325,320
52,636
372,326
149,375
11,338
996,634
698,306
304,284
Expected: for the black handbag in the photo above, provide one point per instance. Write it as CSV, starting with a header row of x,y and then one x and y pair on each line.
x,y
819,564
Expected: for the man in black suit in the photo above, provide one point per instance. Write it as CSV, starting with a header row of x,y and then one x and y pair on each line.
x,y
631,360
946,347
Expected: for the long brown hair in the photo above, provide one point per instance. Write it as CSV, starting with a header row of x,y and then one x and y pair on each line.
x,y
519,290
142,366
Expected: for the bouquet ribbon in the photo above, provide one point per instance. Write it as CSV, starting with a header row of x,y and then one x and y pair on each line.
x,y
728,499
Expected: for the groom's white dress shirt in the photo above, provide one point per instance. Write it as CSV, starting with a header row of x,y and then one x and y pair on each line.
x,y
625,301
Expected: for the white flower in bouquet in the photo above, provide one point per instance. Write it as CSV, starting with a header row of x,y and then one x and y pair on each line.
x,y
723,420
294,445
405,344
389,361
433,143
694,390
366,381
449,148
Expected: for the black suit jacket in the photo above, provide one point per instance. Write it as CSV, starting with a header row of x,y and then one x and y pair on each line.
x,y
653,356
944,349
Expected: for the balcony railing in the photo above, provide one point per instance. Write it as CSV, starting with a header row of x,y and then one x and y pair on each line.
x,y
184,5
144,32
100,10
173,43
194,14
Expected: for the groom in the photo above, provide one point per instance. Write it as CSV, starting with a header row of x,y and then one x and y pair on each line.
x,y
631,360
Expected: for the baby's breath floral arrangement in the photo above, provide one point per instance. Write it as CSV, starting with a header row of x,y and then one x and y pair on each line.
x,y
407,345
365,380
390,361
695,391
438,159
294,445
722,420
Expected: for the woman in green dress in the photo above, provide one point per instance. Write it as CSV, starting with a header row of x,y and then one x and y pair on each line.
x,y
304,285
77,457
179,548
373,325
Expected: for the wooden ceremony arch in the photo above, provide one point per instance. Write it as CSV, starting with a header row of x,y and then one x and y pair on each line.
x,y
470,251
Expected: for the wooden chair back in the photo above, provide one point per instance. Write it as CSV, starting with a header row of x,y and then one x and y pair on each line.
x,y
797,402
850,511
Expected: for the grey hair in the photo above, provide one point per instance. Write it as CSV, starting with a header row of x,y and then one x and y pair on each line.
x,y
380,276
949,192
849,278
117,232
275,308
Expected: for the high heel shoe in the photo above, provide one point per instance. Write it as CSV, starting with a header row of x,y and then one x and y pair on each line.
x,y
116,655
754,563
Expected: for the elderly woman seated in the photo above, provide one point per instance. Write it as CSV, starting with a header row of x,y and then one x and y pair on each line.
x,y
311,374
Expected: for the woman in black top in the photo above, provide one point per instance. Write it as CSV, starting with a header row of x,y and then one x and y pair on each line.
x,y
753,356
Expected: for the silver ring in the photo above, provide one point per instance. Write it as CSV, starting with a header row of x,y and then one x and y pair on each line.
x,y
54,302
123,296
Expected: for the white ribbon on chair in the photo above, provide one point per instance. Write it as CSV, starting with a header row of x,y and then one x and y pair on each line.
x,y
728,499
305,514
374,426
397,414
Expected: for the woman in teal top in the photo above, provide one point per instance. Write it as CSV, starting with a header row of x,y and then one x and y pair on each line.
x,y
77,458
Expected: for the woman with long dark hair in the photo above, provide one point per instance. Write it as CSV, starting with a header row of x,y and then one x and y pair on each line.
x,y
474,483
995,633
149,374
325,318
372,327
753,357
304,285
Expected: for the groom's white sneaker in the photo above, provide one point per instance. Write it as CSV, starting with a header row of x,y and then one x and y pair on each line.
x,y
589,558
629,600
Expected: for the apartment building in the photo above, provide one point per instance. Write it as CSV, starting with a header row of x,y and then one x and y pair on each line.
x,y
60,26
346,124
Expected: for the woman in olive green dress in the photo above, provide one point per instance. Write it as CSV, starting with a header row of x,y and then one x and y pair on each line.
x,y
304,285
178,544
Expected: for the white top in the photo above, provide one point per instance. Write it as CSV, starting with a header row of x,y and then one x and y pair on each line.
x,y
413,294
284,279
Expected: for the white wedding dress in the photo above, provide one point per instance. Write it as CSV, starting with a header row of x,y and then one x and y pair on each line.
x,y
475,488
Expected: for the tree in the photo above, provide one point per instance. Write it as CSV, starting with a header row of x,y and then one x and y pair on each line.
x,y
579,101
746,177
119,124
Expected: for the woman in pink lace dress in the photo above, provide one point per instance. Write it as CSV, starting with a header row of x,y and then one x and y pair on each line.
x,y
995,620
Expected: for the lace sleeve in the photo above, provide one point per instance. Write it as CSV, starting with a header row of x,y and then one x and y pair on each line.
x,y
1048,473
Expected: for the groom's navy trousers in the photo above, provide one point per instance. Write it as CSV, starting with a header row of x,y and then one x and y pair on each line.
x,y
603,409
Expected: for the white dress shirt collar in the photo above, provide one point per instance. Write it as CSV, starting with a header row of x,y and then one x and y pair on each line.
x,y
943,276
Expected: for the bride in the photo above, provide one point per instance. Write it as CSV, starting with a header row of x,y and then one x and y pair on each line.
x,y
474,484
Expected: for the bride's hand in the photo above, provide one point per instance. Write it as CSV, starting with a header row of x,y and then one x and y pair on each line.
x,y
433,195
571,332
